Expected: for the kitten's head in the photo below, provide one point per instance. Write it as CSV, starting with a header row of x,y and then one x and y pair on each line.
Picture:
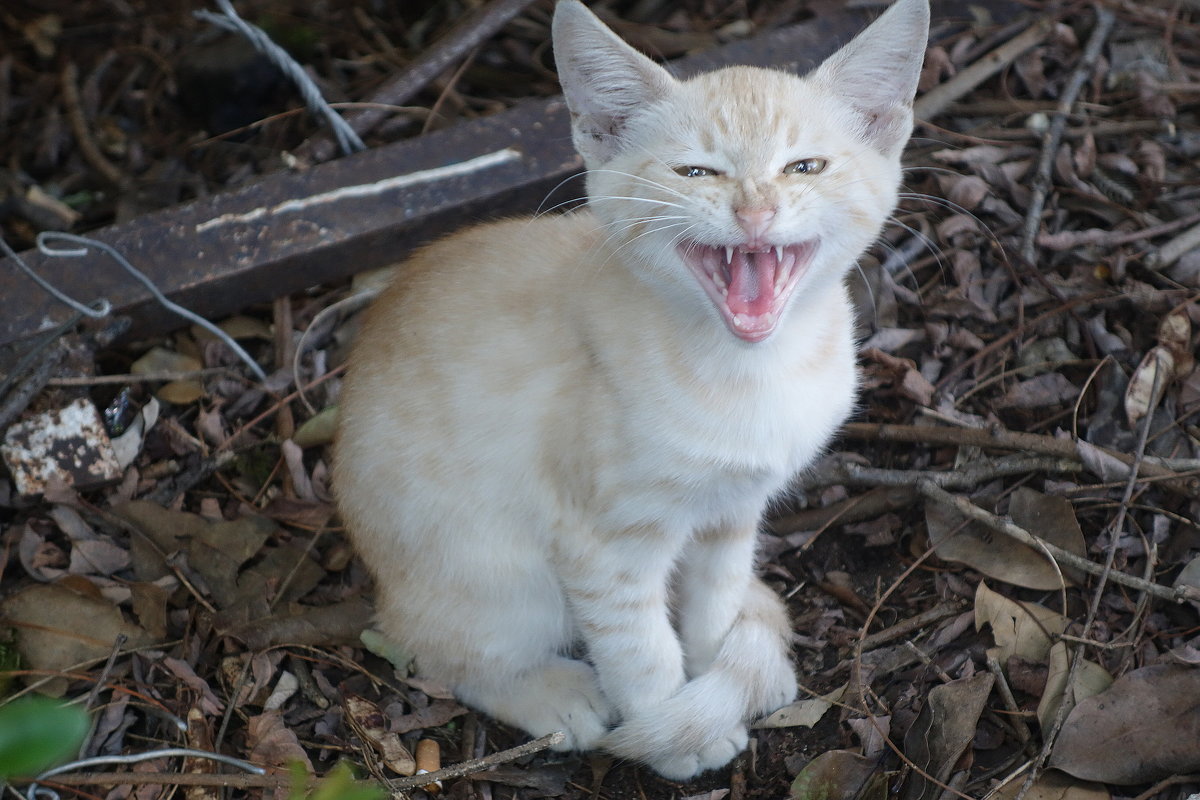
x,y
754,187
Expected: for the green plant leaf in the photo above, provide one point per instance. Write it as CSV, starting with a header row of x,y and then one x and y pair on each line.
x,y
338,784
37,732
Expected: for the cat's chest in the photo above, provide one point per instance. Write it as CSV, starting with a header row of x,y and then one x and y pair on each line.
x,y
702,450
761,429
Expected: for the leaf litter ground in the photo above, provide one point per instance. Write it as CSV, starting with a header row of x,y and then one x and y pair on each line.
x,y
998,555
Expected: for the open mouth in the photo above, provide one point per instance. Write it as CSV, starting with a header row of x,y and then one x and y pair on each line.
x,y
750,287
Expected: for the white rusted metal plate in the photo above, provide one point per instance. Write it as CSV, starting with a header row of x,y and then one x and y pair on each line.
x,y
68,443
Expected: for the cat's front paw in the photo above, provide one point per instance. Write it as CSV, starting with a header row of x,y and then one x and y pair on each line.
x,y
775,685
685,766
724,749
701,727
573,703
560,695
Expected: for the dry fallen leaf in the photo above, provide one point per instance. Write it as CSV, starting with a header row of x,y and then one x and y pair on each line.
x,y
207,701
295,624
1049,389
943,730
1143,728
57,628
271,743
1170,360
840,775
1020,629
216,550
1156,369
803,713
366,720
434,715
318,429
715,794
1052,785
200,737
971,543
1090,679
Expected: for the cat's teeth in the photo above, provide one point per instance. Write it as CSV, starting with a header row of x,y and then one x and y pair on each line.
x,y
743,321
779,252
728,254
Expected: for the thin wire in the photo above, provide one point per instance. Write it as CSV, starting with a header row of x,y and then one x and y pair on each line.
x,y
34,791
99,309
46,238
347,139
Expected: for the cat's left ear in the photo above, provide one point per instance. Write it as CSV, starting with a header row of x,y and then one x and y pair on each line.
x,y
604,80
878,70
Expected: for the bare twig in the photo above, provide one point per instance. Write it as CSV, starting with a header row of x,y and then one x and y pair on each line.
x,y
182,481
962,505
476,768
1175,249
1018,330
999,438
16,401
1053,137
935,101
845,472
1167,783
912,624
83,136
232,780
142,377
869,505
1010,702
1066,240
94,694
1106,573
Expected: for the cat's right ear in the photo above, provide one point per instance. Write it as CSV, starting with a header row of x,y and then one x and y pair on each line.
x,y
604,80
876,73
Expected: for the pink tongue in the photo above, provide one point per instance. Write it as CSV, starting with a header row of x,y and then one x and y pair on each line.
x,y
752,283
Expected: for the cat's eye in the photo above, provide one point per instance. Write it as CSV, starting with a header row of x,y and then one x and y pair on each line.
x,y
805,166
695,172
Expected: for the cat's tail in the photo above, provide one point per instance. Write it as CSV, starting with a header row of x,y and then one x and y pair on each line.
x,y
703,725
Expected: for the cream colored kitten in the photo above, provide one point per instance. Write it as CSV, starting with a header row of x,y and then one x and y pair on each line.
x,y
559,435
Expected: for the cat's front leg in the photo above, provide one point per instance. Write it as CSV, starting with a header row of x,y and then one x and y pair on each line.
x,y
731,621
618,592
737,641
715,570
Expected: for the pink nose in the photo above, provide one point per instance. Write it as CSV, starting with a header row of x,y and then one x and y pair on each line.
x,y
755,221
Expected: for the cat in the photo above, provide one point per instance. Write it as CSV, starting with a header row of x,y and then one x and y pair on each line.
x,y
558,436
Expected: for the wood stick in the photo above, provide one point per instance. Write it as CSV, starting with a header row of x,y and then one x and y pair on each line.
x,y
1009,440
83,136
144,377
935,101
1175,249
1065,240
1053,137
248,781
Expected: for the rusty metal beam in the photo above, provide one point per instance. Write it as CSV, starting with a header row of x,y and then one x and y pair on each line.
x,y
297,229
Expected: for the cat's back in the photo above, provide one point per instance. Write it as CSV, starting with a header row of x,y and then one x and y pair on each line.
x,y
493,277
471,330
